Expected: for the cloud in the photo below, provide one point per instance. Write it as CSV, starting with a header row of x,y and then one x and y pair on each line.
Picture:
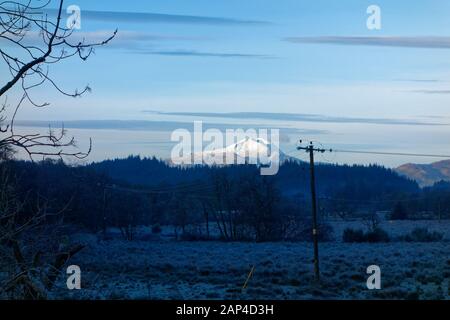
x,y
188,53
432,91
384,41
303,118
135,42
419,80
100,35
146,125
149,18
435,116
131,41
124,35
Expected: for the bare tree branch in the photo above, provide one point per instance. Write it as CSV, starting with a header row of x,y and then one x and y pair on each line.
x,y
35,43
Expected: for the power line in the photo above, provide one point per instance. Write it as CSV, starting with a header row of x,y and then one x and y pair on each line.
x,y
384,153
393,153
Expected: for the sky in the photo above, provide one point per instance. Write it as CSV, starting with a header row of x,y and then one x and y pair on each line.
x,y
185,60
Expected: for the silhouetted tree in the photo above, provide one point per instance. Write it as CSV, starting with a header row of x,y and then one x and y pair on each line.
x,y
34,43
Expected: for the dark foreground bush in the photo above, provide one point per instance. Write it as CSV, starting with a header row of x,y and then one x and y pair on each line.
x,y
422,235
358,235
352,235
377,235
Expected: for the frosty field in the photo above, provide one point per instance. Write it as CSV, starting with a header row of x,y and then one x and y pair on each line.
x,y
168,269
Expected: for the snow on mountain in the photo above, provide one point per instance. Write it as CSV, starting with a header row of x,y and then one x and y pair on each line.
x,y
248,150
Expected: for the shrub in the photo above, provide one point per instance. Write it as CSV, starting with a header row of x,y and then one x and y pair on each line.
x,y
352,235
422,235
376,235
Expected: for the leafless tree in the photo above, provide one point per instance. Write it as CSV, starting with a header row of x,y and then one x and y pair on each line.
x,y
371,221
35,42
30,43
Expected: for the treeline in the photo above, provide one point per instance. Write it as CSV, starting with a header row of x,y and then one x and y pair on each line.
x,y
232,203
356,181
69,194
431,203
237,206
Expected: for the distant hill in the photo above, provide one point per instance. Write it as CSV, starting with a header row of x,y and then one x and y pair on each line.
x,y
426,174
340,181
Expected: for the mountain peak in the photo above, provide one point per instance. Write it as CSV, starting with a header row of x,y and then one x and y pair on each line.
x,y
248,150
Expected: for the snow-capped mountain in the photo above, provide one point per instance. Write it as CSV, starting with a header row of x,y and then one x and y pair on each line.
x,y
248,150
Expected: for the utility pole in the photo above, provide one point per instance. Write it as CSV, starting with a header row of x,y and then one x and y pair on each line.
x,y
311,149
